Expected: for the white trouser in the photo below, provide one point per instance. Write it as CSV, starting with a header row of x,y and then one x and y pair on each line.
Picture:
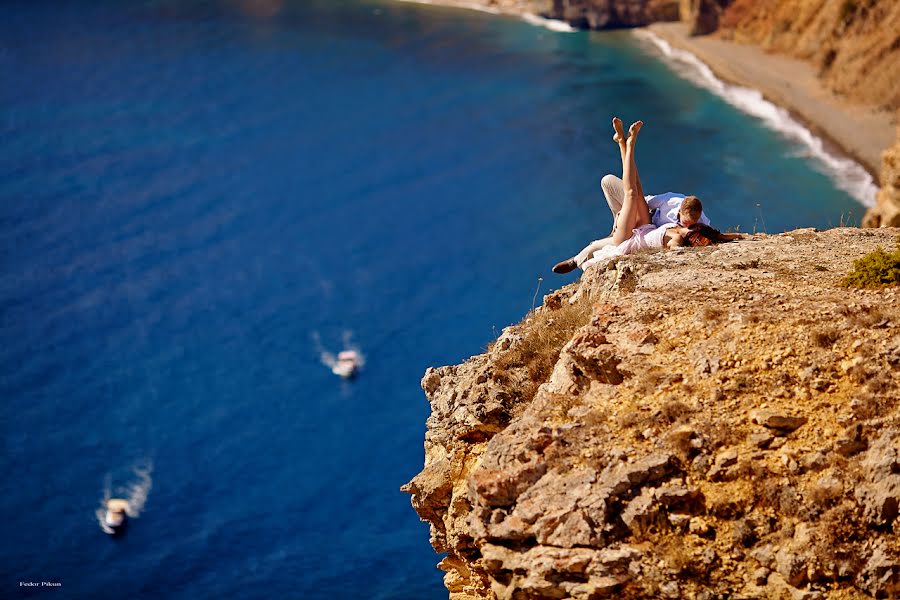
x,y
614,192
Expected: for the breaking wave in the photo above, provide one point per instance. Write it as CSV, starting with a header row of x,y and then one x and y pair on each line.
x,y
847,174
551,24
468,5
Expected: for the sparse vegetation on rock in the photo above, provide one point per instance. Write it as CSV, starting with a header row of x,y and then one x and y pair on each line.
x,y
708,429
874,270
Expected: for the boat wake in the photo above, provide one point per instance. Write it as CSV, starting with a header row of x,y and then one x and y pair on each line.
x,y
331,360
847,174
135,493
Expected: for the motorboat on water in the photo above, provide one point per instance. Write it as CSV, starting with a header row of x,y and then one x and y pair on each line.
x,y
347,364
115,518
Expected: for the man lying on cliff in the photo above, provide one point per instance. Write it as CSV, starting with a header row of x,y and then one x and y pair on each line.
x,y
663,221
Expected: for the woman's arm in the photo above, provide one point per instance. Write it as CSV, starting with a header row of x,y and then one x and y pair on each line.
x,y
674,237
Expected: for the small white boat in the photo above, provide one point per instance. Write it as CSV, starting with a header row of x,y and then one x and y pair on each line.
x,y
347,364
116,516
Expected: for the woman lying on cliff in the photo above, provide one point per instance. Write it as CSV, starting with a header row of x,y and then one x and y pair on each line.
x,y
663,221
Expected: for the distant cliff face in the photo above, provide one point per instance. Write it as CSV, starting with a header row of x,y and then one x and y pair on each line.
x,y
886,212
717,422
702,15
601,14
589,14
855,43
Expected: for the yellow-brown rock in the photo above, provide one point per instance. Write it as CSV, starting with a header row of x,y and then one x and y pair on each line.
x,y
748,444
855,43
886,212
701,15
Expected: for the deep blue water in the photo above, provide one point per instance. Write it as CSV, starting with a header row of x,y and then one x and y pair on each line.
x,y
190,190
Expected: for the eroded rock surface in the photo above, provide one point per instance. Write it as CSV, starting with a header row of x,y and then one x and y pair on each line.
x,y
886,212
721,422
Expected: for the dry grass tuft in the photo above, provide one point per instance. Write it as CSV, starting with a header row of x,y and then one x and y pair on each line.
x,y
546,331
675,411
825,338
677,558
628,419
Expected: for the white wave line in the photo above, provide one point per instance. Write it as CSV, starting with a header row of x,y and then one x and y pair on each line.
x,y
551,24
847,174
537,20
466,5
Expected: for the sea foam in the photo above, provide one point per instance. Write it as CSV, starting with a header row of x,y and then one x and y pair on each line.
x,y
847,174
551,24
467,5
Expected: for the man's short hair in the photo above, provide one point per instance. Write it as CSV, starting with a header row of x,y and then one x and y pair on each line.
x,y
692,206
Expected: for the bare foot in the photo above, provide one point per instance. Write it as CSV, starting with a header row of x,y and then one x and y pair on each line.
x,y
633,131
619,136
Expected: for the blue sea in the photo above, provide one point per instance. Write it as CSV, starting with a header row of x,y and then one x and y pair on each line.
x,y
201,200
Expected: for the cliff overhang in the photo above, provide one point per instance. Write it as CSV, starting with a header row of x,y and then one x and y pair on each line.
x,y
717,421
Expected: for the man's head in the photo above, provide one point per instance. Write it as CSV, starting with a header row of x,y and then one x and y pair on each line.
x,y
690,211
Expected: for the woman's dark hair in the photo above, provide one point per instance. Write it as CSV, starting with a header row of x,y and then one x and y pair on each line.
x,y
702,235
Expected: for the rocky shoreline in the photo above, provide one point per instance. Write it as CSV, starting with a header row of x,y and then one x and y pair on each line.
x,y
862,133
869,133
701,423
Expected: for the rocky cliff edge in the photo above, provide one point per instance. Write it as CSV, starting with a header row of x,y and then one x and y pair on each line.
x,y
702,423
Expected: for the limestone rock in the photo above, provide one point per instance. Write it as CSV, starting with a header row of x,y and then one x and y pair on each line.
x,y
881,575
791,566
702,16
595,357
886,212
776,420
641,512
669,480
852,44
601,14
502,487
724,459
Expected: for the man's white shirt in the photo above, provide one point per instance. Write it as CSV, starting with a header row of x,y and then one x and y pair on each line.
x,y
664,208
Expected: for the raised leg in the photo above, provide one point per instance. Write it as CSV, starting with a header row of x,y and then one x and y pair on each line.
x,y
634,211
619,137
614,192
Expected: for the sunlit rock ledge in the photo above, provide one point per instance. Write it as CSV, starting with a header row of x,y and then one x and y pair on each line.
x,y
699,423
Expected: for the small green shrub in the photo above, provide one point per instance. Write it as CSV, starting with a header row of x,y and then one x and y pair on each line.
x,y
874,270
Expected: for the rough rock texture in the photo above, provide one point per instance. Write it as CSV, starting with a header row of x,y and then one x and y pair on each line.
x,y
724,422
588,14
886,212
855,43
601,14
702,15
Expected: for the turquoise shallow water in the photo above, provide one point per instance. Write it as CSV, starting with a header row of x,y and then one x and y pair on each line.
x,y
189,192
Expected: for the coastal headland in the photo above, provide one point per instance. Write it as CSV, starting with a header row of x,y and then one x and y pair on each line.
x,y
703,423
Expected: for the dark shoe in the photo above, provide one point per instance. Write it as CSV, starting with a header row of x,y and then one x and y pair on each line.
x,y
565,266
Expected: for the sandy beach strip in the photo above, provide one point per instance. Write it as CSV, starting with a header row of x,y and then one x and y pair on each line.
x,y
859,131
